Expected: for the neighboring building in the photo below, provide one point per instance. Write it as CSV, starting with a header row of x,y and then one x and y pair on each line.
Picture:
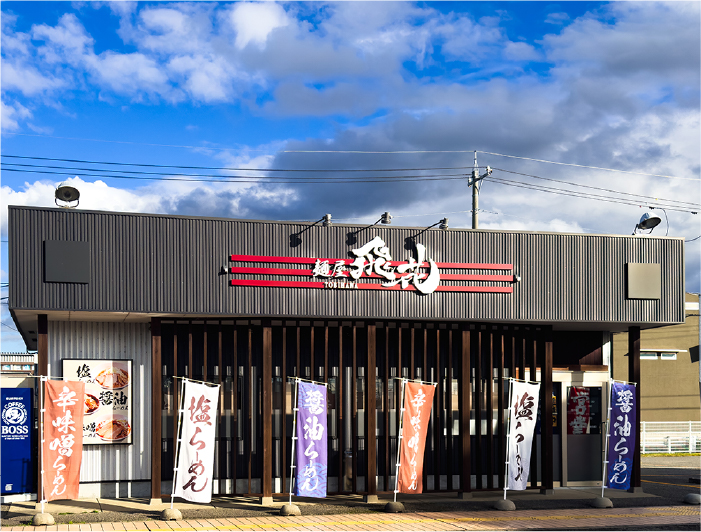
x,y
18,364
249,304
669,367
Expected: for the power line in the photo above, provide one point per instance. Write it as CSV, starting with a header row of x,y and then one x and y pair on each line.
x,y
596,188
254,179
552,190
224,168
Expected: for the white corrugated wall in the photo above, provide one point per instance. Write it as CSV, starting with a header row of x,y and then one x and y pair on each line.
x,y
124,341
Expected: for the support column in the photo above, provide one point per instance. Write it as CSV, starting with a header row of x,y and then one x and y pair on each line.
x,y
156,411
634,376
370,417
42,369
546,425
267,498
465,398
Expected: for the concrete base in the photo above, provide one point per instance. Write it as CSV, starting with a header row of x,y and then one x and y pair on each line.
x,y
171,515
154,502
43,520
602,502
394,507
505,505
692,498
639,489
266,501
547,491
290,509
465,495
370,499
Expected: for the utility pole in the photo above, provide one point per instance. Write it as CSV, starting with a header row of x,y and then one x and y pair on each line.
x,y
476,178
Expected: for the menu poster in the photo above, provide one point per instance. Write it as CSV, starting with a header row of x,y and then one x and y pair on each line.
x,y
108,385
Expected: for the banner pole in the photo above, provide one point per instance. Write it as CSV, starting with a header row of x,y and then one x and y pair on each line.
x,y
177,441
606,449
399,441
42,410
508,437
294,437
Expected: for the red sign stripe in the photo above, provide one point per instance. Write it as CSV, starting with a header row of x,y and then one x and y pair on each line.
x,y
306,260
308,273
369,286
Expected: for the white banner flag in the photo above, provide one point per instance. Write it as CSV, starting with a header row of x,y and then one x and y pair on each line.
x,y
522,419
196,457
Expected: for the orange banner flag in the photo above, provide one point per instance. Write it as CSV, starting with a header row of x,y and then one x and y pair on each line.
x,y
418,401
63,439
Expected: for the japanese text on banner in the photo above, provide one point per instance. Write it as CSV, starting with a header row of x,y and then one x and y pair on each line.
x,y
418,401
196,457
312,439
63,439
621,436
522,419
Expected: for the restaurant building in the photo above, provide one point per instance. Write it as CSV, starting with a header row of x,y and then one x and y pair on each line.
x,y
248,304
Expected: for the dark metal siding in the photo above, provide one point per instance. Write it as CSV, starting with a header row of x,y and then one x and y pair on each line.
x,y
171,264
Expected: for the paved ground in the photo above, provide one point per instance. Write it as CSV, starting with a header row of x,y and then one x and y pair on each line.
x,y
660,507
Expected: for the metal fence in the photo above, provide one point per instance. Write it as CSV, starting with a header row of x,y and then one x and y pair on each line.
x,y
670,437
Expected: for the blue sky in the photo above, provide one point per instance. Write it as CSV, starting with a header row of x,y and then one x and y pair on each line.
x,y
244,85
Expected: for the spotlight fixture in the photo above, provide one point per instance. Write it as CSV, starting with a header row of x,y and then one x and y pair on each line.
x,y
326,220
386,218
443,224
647,221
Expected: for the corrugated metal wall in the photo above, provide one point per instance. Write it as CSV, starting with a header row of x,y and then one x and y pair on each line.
x,y
72,340
171,264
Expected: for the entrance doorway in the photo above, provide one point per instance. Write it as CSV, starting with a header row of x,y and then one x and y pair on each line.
x,y
582,397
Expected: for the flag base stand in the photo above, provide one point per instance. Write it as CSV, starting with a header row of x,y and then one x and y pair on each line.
x,y
602,502
290,509
465,495
505,505
43,519
692,498
171,514
394,507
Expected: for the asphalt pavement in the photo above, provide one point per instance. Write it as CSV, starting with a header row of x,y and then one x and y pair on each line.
x,y
665,484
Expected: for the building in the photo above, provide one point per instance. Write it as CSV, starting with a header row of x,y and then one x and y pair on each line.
x,y
669,370
248,304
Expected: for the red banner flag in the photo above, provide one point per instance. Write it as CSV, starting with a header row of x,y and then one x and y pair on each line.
x,y
418,400
63,438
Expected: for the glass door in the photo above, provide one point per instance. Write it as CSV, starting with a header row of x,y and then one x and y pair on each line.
x,y
583,403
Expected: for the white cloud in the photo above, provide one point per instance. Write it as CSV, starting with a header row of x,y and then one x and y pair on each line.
x,y
254,22
12,114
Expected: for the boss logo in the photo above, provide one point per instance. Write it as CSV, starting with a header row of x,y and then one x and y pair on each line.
x,y
13,413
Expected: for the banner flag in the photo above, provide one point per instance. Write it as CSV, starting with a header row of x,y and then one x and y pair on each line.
x,y
64,402
622,431
578,410
418,401
522,419
312,440
196,456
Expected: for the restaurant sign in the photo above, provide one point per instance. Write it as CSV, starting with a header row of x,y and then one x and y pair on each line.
x,y
107,406
372,268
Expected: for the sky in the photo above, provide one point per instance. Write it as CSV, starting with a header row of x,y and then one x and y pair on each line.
x,y
597,101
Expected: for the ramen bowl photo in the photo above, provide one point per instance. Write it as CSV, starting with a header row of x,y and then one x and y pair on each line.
x,y
112,378
92,403
113,429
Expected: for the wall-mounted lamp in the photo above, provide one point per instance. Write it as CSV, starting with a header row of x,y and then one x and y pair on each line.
x,y
648,221
443,224
386,218
326,220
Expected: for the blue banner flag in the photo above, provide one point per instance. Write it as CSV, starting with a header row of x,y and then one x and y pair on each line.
x,y
17,442
312,437
622,430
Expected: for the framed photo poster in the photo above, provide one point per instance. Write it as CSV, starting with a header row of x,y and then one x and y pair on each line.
x,y
108,385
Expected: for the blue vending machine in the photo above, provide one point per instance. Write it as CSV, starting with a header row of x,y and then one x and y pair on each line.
x,y
17,468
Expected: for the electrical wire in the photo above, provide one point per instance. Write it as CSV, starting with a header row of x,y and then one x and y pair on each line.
x,y
596,188
224,168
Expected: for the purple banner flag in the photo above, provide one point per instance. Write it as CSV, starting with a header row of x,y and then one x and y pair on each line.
x,y
311,441
621,436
